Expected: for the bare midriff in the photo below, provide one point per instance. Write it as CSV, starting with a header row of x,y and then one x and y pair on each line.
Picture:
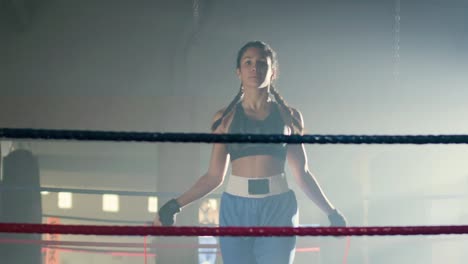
x,y
258,166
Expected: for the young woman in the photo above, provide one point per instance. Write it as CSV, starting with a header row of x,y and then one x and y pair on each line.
x,y
257,192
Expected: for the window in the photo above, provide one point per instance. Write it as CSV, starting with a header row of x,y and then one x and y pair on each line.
x,y
110,203
152,204
65,200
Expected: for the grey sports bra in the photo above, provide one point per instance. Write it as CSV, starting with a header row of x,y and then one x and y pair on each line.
x,y
242,124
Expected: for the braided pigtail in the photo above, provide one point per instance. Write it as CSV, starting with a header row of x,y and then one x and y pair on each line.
x,y
228,109
287,112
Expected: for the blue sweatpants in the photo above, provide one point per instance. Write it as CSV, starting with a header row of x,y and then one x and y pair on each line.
x,y
276,210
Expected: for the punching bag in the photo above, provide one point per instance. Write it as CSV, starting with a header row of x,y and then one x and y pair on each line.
x,y
20,205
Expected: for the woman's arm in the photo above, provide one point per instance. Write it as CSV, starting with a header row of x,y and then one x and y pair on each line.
x,y
213,178
297,160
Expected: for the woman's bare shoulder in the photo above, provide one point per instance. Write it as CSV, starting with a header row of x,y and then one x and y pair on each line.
x,y
218,114
297,114
225,122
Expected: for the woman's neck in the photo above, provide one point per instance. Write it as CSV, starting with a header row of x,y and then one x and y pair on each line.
x,y
256,99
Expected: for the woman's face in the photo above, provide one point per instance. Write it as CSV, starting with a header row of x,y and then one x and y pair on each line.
x,y
255,69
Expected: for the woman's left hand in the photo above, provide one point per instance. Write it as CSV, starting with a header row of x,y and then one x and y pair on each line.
x,y
336,218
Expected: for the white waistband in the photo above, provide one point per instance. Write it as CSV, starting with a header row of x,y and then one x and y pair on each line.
x,y
239,186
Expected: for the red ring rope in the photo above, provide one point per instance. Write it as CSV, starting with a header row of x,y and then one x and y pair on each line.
x,y
230,231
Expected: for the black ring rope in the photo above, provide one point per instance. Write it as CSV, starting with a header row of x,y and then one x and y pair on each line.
x,y
50,134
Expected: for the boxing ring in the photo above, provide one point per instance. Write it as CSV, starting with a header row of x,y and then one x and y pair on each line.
x,y
143,231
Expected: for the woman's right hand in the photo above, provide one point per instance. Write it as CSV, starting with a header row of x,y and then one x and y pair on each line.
x,y
167,213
